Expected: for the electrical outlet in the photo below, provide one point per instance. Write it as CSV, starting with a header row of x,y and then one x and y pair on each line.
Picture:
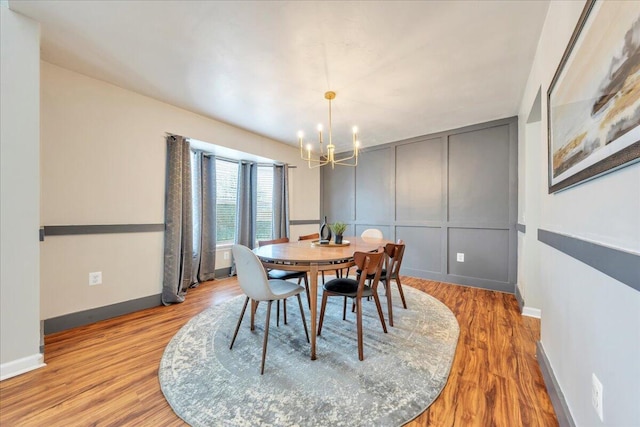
x,y
95,278
460,257
226,255
596,395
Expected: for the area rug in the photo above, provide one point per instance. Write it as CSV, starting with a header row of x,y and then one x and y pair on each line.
x,y
403,372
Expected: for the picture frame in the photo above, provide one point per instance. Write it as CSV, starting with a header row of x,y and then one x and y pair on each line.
x,y
593,101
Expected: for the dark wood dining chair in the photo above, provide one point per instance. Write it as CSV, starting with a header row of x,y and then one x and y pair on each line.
x,y
394,252
370,263
312,236
286,275
393,262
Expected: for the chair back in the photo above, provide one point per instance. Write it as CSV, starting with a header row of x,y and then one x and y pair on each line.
x,y
273,242
251,275
309,236
395,253
373,233
370,263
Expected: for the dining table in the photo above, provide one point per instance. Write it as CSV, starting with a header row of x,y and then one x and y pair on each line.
x,y
313,257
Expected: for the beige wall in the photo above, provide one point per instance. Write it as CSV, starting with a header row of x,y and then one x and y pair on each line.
x,y
103,162
19,198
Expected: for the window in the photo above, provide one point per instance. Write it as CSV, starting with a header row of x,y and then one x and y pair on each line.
x,y
264,220
226,198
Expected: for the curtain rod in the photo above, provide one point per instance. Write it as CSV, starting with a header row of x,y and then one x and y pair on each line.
x,y
209,154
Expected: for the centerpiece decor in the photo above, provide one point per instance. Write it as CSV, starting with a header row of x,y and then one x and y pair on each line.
x,y
338,228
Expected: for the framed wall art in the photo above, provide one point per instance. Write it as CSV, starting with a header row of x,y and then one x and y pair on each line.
x,y
593,106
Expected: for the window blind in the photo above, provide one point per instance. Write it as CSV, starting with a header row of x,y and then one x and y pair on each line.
x,y
226,200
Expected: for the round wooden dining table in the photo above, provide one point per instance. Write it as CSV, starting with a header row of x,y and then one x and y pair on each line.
x,y
307,255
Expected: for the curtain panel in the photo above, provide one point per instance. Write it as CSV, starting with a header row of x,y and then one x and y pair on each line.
x,y
178,234
280,201
207,264
247,207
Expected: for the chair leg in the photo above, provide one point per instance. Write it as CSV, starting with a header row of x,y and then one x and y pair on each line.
x,y
278,313
322,307
387,287
284,306
306,287
254,308
304,320
266,338
379,307
344,309
359,317
235,334
404,303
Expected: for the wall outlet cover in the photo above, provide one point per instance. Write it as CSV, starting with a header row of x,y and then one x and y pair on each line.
x,y
460,257
596,395
95,278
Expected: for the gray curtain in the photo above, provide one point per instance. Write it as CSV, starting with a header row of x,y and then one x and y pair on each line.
x,y
178,234
207,264
196,206
247,203
280,201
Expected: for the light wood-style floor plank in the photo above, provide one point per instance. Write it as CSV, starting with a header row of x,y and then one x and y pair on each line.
x,y
106,374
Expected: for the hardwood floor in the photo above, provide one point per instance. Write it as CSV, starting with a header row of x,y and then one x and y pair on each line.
x,y
106,374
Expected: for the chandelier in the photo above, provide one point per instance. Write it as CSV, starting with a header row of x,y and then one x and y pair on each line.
x,y
328,157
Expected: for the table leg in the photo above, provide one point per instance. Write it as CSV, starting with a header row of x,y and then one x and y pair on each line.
x,y
313,290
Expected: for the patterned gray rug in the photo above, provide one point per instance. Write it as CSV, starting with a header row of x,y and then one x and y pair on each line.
x,y
404,370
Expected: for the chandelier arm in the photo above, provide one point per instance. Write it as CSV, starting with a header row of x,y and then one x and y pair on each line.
x,y
344,161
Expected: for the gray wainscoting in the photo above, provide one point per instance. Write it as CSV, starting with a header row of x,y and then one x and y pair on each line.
x,y
443,194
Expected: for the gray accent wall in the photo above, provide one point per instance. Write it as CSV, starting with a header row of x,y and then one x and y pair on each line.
x,y
443,194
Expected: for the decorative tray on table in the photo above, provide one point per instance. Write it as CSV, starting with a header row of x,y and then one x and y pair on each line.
x,y
329,244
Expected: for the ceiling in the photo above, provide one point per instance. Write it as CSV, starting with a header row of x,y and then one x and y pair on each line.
x,y
400,69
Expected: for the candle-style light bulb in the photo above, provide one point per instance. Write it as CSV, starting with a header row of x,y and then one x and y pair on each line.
x,y
320,132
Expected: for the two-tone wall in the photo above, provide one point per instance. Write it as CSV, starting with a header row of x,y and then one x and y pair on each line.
x,y
590,320
443,194
103,163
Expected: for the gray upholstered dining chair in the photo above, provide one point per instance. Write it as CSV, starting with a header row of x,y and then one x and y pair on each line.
x,y
372,232
370,263
286,274
257,287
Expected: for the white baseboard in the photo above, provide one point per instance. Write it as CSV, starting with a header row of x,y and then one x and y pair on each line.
x,y
20,366
531,312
